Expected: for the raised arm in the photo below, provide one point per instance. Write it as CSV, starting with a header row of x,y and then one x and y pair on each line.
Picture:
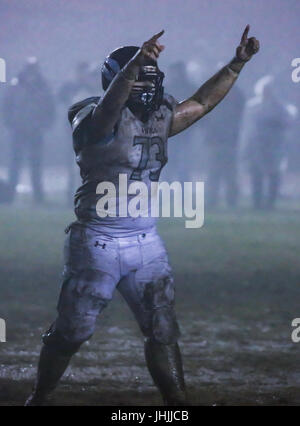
x,y
107,112
214,90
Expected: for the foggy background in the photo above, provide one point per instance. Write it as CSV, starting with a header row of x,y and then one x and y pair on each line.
x,y
237,278
201,34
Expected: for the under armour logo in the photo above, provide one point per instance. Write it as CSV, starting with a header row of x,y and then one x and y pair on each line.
x,y
98,244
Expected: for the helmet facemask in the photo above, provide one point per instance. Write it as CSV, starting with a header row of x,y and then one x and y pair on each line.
x,y
147,92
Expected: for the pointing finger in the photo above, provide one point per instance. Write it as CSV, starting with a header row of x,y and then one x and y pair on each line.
x,y
156,36
245,34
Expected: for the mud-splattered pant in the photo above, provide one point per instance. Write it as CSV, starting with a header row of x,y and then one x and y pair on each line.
x,y
96,264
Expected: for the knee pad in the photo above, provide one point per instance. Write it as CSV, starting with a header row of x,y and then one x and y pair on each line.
x,y
55,341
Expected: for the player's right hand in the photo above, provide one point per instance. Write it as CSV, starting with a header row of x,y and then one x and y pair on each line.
x,y
151,49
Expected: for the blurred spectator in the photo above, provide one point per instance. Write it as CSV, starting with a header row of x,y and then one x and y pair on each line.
x,y
268,122
84,85
222,131
28,112
181,148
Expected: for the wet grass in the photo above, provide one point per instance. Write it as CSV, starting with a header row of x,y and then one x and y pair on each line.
x,y
238,289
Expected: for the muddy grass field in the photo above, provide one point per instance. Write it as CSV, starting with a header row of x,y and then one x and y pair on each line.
x,y
238,289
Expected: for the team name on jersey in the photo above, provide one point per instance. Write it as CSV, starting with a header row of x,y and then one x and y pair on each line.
x,y
149,130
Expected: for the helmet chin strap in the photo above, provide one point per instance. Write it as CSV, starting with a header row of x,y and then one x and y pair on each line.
x,y
146,98
142,101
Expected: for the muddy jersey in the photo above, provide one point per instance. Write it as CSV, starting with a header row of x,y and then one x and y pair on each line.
x,y
135,152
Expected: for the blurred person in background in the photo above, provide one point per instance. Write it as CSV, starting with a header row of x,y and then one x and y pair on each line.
x,y
283,83
222,133
293,156
72,91
181,156
268,121
28,112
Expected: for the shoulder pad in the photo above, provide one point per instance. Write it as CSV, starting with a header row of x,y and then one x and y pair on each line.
x,y
78,106
169,101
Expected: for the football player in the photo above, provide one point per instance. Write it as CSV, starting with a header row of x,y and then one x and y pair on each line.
x,y
126,132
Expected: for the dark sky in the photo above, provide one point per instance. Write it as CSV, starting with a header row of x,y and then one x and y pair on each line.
x,y
63,32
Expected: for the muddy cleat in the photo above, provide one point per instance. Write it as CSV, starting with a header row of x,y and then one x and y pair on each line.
x,y
52,365
34,400
165,366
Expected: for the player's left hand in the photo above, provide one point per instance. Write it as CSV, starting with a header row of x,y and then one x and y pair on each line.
x,y
247,47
